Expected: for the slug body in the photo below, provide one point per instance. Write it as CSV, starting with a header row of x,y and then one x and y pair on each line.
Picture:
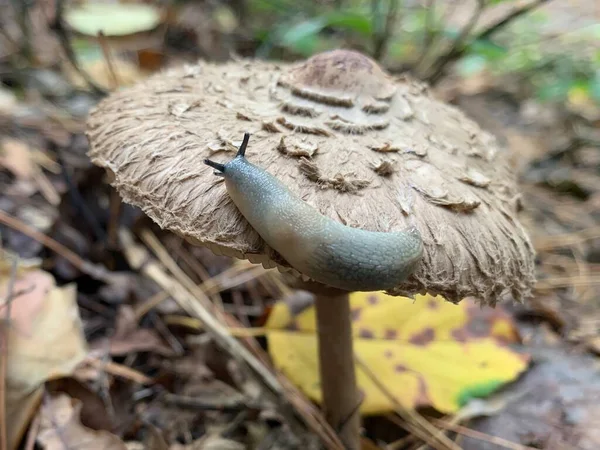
x,y
317,246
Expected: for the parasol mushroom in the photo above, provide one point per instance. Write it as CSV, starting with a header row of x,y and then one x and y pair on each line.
x,y
361,149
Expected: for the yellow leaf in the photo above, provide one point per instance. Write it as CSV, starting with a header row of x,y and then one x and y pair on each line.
x,y
427,352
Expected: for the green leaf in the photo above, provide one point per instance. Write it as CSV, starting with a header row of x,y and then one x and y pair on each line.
x,y
113,19
554,90
471,65
302,30
488,49
348,20
302,37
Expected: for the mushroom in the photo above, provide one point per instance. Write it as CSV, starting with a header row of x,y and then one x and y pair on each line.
x,y
416,196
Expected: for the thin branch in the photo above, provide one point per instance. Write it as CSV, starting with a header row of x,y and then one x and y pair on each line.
x,y
59,28
382,37
108,59
430,32
458,51
93,270
4,354
457,47
485,34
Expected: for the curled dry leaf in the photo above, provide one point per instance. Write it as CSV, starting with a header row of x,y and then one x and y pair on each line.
x,y
427,352
45,340
60,428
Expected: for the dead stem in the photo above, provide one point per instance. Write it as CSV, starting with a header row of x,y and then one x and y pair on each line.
x,y
93,270
4,356
108,59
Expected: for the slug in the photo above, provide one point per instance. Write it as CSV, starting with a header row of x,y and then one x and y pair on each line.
x,y
327,251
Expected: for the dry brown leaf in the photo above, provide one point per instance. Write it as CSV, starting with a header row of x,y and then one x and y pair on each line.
x,y
45,341
16,158
22,162
60,428
130,338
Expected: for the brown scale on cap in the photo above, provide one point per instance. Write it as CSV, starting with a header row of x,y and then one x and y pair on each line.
x,y
451,180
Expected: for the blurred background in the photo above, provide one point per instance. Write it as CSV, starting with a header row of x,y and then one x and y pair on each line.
x,y
100,346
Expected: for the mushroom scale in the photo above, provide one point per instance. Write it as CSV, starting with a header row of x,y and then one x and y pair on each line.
x,y
365,149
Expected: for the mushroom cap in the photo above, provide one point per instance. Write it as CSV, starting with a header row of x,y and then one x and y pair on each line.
x,y
362,147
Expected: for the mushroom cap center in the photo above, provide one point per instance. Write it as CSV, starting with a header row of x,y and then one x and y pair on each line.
x,y
341,72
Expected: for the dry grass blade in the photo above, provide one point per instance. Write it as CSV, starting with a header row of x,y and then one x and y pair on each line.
x,y
93,270
567,281
542,243
139,259
4,354
482,436
415,422
164,257
119,370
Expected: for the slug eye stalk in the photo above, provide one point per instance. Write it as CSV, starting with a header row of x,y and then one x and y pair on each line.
x,y
215,165
242,149
240,154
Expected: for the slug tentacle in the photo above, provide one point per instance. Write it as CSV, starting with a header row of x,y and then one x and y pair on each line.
x,y
317,246
215,165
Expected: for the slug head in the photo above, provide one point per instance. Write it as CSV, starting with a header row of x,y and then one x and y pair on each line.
x,y
220,168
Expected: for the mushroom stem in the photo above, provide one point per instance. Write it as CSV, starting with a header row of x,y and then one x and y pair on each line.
x,y
336,360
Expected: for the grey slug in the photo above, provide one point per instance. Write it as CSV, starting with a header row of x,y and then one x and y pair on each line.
x,y
325,250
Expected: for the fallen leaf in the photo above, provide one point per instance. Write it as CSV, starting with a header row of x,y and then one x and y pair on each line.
x,y
16,158
60,428
427,352
45,340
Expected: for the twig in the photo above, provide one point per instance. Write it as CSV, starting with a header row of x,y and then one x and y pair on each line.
x,y
4,355
115,210
457,45
567,281
108,59
565,240
34,428
93,270
78,202
481,436
381,37
222,405
430,33
21,8
59,28
493,28
458,52
118,370
138,259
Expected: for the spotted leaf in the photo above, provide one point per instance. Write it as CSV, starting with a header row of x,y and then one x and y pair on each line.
x,y
427,352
